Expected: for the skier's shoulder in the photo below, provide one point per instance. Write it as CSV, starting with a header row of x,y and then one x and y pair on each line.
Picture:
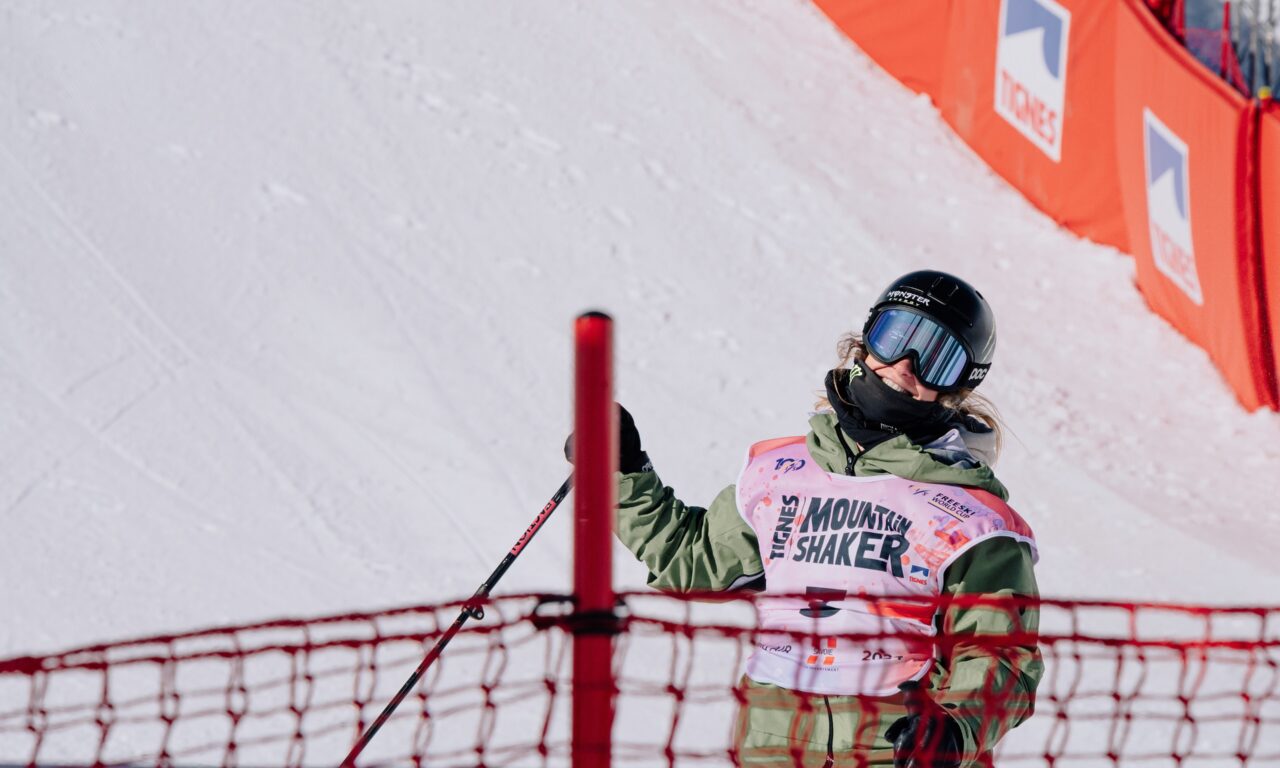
x,y
762,447
973,507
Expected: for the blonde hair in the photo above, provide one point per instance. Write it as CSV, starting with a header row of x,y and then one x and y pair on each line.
x,y
967,402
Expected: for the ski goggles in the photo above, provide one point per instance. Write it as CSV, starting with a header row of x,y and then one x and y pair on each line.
x,y
939,358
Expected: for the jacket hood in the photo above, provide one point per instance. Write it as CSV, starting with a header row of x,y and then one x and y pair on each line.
x,y
949,460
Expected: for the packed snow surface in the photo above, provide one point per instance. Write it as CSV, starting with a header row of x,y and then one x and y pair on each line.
x,y
286,292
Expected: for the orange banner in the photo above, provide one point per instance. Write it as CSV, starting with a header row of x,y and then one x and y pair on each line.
x,y
1107,124
1268,169
905,37
1028,84
1181,134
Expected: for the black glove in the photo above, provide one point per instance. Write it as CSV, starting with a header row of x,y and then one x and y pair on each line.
x,y
927,737
631,458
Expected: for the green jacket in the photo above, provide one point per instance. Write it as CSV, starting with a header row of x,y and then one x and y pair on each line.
x,y
690,548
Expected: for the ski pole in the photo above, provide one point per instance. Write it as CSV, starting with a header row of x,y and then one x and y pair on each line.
x,y
472,609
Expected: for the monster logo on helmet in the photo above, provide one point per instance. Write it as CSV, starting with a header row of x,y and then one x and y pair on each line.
x,y
939,321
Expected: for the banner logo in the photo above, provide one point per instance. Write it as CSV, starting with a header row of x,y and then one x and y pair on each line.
x,y
1031,70
1169,205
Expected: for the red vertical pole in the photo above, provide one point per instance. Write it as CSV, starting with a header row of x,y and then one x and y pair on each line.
x,y
595,451
1227,50
1253,298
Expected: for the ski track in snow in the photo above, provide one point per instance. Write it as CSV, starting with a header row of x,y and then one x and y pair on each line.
x,y
461,427
145,312
287,324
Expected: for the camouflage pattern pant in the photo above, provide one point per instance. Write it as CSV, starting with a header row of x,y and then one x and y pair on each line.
x,y
781,728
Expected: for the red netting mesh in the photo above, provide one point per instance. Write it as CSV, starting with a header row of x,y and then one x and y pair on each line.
x,y
1124,684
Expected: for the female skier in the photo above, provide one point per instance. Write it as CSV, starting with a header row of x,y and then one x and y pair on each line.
x,y
890,495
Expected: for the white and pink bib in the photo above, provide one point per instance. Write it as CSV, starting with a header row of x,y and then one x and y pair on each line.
x,y
839,540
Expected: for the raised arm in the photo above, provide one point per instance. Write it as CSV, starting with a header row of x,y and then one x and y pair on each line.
x,y
686,549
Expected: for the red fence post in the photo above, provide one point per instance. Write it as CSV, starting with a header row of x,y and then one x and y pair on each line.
x,y
595,452
1253,282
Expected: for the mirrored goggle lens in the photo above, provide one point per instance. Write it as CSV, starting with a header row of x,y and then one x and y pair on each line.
x,y
940,358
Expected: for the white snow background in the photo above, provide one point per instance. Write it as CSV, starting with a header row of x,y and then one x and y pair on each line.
x,y
286,292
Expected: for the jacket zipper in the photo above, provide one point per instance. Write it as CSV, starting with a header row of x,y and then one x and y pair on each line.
x,y
850,456
831,736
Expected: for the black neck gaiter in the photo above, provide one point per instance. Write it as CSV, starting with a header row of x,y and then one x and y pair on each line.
x,y
870,412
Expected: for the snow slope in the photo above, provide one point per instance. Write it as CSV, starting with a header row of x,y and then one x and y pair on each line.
x,y
286,291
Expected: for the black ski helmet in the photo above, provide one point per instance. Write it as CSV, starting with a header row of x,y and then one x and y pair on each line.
x,y
956,306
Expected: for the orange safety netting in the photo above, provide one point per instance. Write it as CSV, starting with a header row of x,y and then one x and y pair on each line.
x,y
1124,684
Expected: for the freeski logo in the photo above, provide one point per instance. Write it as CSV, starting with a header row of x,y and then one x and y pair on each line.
x,y
951,506
1031,70
1169,205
